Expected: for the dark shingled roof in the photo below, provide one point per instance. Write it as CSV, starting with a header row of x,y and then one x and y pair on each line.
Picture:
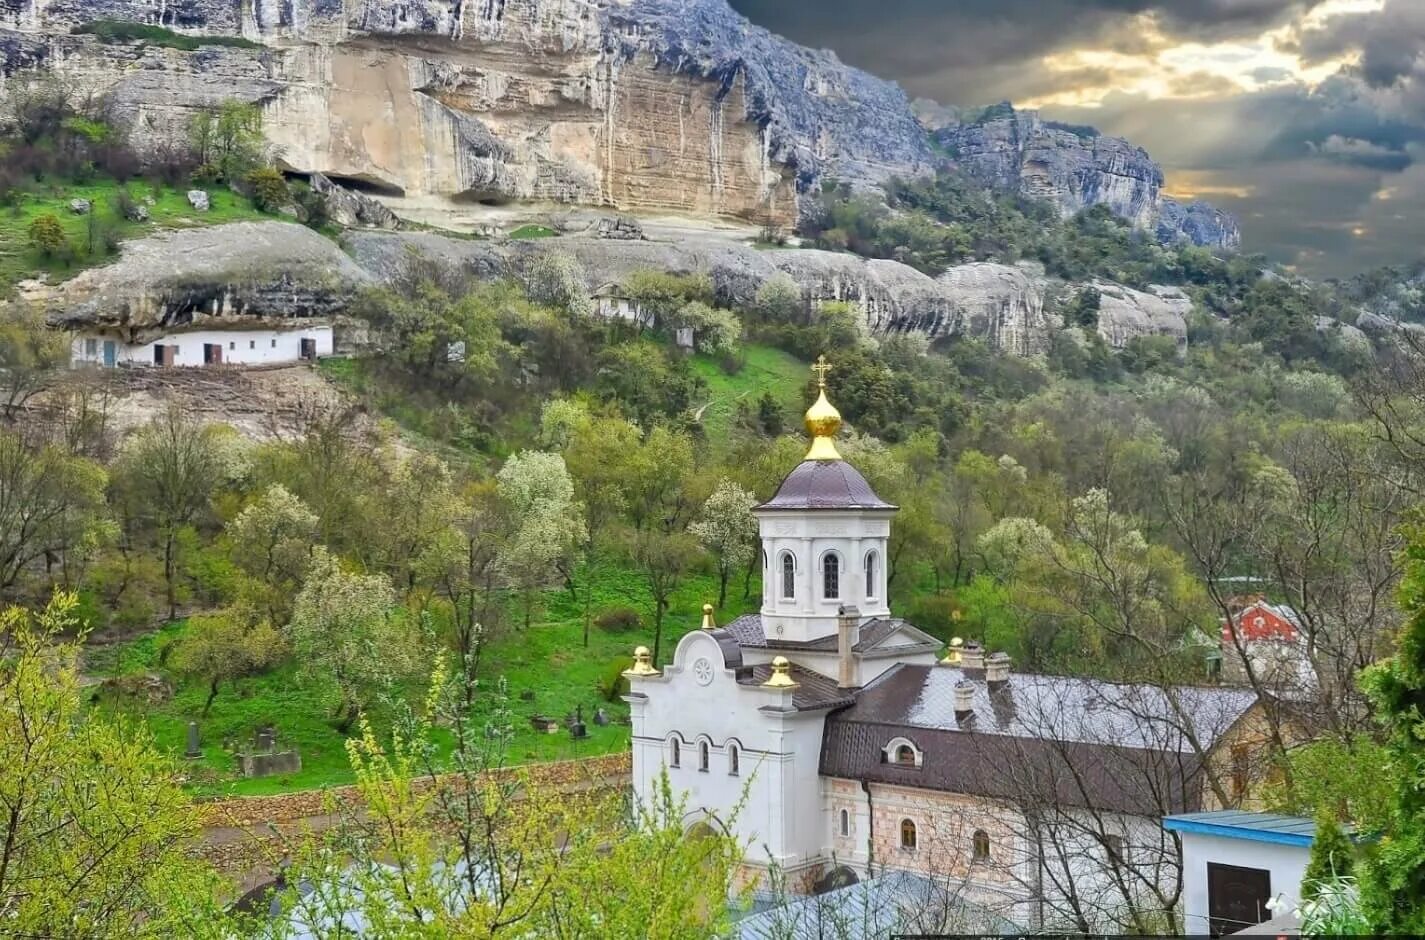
x,y
816,692
748,631
825,484
1072,741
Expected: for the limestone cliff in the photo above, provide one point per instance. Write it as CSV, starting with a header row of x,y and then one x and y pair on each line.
x,y
664,105
260,272
1074,167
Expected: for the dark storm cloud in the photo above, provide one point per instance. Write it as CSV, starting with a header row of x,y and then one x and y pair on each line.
x,y
985,49
1330,178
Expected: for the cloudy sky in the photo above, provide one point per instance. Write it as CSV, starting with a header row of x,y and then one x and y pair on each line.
x,y
1306,118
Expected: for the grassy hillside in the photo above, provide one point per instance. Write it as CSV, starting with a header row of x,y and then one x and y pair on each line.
x,y
766,369
546,669
93,237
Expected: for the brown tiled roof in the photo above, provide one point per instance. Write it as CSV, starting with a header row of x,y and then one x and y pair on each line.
x,y
825,484
816,691
1056,736
749,633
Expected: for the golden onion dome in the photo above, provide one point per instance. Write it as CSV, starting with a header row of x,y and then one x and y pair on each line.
x,y
822,418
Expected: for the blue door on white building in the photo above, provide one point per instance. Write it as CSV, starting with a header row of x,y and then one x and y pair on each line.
x,y
111,354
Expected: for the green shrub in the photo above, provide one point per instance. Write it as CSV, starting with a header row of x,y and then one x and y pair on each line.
x,y
269,189
47,236
618,620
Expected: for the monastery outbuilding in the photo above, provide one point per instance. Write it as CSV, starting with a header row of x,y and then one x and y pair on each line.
x,y
832,740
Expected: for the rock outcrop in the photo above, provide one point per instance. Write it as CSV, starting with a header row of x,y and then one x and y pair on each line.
x,y
1004,306
1124,313
352,209
1075,167
661,105
244,272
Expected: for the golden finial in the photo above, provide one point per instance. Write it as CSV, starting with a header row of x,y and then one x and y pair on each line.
x,y
642,664
708,623
822,419
781,675
952,656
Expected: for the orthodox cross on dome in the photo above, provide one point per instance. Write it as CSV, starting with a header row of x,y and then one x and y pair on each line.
x,y
822,418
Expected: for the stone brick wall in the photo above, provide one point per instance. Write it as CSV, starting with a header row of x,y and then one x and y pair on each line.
x,y
945,825
244,837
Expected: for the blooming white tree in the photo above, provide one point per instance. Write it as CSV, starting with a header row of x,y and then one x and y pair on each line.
x,y
727,529
272,542
716,331
557,279
345,628
549,521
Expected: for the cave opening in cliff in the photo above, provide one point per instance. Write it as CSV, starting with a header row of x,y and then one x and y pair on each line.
x,y
484,197
359,184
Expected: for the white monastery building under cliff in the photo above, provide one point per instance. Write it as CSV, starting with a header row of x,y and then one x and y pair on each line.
x,y
832,740
108,349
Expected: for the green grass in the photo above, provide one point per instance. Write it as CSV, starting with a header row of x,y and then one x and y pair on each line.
x,y
547,661
18,260
766,369
115,31
534,231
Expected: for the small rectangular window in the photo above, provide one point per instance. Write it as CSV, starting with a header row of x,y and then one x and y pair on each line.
x,y
231,345
274,344
91,347
252,344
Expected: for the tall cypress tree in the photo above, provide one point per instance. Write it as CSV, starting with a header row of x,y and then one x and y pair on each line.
x,y
1332,856
1393,883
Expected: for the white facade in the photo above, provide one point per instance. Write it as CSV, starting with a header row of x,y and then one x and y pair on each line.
x,y
698,703
1282,859
796,549
236,347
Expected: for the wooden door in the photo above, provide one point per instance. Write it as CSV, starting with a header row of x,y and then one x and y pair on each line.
x,y
1236,897
213,354
309,349
111,353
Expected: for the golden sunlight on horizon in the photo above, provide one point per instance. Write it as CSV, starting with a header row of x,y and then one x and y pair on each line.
x,y
1163,68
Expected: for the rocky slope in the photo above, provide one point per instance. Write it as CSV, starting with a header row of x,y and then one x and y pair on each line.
x,y
1076,167
662,105
259,272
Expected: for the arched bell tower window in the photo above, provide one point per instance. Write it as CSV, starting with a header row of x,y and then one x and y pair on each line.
x,y
789,577
831,576
870,575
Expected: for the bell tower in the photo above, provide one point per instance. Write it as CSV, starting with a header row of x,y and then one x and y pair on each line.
x,y
824,537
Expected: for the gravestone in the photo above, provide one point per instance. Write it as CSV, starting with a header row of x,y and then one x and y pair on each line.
x,y
264,759
577,729
80,206
195,749
601,717
198,199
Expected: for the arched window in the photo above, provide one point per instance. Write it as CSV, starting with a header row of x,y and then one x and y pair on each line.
x,y
905,755
789,576
831,576
870,575
907,834
703,756
982,845
732,759
677,753
845,823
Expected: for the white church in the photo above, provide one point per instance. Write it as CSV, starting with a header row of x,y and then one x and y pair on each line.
x,y
831,739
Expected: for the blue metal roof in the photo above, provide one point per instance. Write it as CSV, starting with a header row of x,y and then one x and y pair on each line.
x,y
1237,824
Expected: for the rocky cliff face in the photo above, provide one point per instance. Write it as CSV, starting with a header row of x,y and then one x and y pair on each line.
x,y
254,273
664,105
1076,167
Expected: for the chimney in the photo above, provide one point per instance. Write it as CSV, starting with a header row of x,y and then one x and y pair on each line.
x,y
964,700
848,634
997,669
972,658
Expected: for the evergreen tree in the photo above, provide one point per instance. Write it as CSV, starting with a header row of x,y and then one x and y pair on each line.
x,y
1393,884
1332,856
